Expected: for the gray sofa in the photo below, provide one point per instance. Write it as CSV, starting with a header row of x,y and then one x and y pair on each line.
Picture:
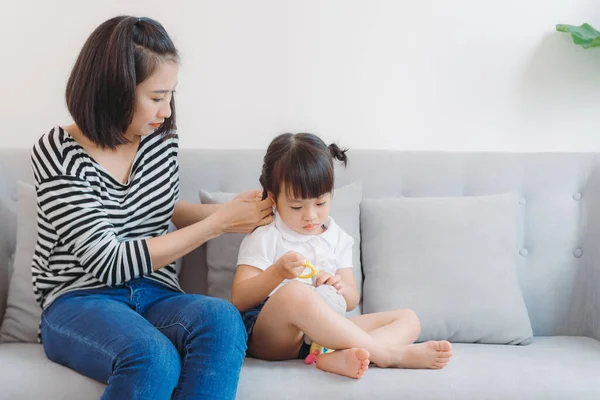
x,y
558,267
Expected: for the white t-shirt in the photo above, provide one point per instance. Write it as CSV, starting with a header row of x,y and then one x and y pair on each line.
x,y
329,251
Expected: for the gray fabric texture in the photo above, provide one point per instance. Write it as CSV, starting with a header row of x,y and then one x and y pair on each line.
x,y
222,252
558,267
8,236
553,189
27,374
551,368
548,184
14,166
23,313
450,259
587,302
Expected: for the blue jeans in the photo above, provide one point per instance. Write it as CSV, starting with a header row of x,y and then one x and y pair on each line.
x,y
147,341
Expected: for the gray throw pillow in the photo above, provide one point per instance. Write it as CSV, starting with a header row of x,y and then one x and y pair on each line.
x,y
222,252
452,260
8,238
22,316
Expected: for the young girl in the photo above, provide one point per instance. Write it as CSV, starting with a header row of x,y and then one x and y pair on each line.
x,y
278,308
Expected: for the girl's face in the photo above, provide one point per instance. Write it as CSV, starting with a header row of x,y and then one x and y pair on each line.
x,y
304,216
152,100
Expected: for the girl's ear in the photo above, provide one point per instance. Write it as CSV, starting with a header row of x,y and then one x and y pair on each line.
x,y
270,196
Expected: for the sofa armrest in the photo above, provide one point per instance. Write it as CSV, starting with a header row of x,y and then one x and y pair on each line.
x,y
585,307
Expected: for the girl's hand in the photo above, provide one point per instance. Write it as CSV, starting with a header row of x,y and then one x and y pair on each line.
x,y
243,214
336,281
290,265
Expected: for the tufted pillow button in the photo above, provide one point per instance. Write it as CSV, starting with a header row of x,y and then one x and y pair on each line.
x,y
577,196
578,253
522,201
523,252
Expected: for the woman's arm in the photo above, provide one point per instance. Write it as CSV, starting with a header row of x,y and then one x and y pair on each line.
x,y
237,216
186,213
83,225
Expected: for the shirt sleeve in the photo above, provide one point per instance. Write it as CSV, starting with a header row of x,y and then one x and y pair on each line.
x,y
344,251
74,211
258,249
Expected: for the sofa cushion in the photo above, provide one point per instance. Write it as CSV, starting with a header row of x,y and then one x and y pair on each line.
x,y
26,373
22,317
222,252
452,260
549,368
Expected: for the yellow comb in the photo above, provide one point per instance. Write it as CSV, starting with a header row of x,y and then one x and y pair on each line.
x,y
313,271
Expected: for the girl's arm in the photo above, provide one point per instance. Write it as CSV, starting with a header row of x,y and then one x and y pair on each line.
x,y
251,285
350,290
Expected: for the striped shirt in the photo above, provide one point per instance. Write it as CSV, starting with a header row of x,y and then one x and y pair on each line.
x,y
92,229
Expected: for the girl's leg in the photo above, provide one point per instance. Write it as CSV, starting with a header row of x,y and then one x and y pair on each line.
x,y
98,335
395,328
211,339
276,337
398,330
295,309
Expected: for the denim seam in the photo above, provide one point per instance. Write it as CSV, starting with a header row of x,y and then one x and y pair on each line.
x,y
173,324
77,337
176,390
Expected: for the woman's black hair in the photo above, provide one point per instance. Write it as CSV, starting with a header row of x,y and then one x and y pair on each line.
x,y
120,54
303,163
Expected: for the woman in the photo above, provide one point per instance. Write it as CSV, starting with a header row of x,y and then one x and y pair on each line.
x,y
103,269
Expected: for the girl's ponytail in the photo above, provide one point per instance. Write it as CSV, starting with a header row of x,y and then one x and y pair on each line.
x,y
338,153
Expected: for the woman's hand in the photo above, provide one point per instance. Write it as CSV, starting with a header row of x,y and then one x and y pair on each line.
x,y
290,265
250,195
336,281
244,213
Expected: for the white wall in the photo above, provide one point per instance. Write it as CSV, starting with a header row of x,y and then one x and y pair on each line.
x,y
419,74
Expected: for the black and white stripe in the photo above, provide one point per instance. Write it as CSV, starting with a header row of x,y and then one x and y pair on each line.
x,y
92,229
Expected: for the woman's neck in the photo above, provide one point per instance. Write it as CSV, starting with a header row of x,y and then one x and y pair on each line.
x,y
88,145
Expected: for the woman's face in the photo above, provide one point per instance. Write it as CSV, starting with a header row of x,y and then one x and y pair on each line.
x,y
152,100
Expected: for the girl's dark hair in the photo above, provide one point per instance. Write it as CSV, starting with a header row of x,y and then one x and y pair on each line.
x,y
303,162
120,54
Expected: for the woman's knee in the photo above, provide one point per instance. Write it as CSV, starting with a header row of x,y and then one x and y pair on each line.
x,y
154,356
146,367
216,317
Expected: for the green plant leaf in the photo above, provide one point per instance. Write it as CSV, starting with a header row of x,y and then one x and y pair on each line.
x,y
583,35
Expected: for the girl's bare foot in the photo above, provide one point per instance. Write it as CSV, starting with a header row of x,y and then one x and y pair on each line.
x,y
352,363
428,355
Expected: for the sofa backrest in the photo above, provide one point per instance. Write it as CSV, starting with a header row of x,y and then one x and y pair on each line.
x,y
555,191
